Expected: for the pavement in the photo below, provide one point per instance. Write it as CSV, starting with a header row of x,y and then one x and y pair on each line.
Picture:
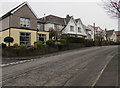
x,y
74,68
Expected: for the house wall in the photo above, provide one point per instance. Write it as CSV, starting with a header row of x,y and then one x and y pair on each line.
x,y
4,23
83,32
48,26
114,37
24,12
51,25
67,28
118,38
15,33
3,35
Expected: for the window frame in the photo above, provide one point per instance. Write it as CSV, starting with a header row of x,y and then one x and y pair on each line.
x,y
26,38
72,28
24,22
42,36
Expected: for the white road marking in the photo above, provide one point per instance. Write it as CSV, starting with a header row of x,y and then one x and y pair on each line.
x,y
14,63
101,72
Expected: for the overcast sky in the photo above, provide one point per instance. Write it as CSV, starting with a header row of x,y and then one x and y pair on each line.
x,y
89,11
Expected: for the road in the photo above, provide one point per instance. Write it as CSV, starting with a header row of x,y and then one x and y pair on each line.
x,y
84,67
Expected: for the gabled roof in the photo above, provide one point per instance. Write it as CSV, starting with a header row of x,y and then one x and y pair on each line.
x,y
109,32
53,19
14,10
117,33
56,20
96,28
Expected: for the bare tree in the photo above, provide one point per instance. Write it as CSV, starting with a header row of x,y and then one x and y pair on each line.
x,y
112,7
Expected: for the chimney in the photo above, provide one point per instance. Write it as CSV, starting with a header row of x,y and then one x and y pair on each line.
x,y
67,16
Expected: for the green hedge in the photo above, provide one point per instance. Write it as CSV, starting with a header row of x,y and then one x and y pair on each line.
x,y
75,40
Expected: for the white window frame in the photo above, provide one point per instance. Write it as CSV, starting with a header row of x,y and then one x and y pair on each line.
x,y
24,22
42,36
27,38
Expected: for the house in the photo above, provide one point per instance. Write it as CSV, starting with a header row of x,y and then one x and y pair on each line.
x,y
118,35
97,33
111,35
68,25
90,32
21,24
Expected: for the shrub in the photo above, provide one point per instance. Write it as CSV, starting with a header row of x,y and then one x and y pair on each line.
x,y
8,40
75,40
59,45
63,42
3,45
50,43
15,45
39,44
23,47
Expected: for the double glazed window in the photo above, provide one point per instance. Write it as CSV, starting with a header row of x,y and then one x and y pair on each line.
x,y
25,38
42,38
72,28
24,22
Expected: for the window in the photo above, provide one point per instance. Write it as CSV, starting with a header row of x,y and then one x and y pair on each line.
x,y
56,26
25,38
71,28
24,22
38,26
42,37
79,29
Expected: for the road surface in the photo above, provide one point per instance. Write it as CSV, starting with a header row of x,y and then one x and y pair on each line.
x,y
84,67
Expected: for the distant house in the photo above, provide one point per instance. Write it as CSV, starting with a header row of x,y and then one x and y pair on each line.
x,y
21,24
68,25
90,32
97,33
118,35
111,35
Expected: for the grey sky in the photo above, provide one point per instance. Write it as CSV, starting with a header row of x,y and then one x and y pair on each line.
x,y
89,12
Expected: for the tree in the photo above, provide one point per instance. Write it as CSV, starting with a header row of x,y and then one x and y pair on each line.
x,y
112,7
8,40
54,34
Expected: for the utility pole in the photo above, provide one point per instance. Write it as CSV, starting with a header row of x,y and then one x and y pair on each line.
x,y
94,30
106,33
44,22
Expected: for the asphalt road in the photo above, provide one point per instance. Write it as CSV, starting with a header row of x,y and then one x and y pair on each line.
x,y
73,68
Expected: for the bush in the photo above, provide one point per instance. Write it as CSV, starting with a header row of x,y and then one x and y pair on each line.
x,y
50,43
8,40
22,47
3,45
59,45
63,42
15,45
39,44
75,40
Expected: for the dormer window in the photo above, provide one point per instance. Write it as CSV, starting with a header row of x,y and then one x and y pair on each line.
x,y
24,22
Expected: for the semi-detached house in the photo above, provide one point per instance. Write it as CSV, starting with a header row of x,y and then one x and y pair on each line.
x,y
21,24
68,25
